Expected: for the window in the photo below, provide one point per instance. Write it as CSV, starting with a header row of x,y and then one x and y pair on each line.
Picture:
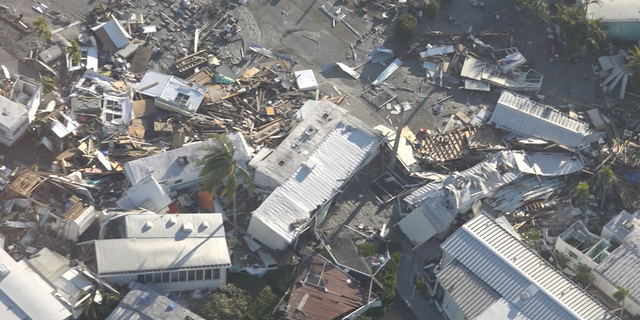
x,y
140,278
208,274
148,278
183,276
199,274
157,277
174,276
166,276
182,99
191,275
216,274
178,181
573,255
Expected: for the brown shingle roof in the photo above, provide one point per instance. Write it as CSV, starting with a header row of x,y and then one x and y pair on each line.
x,y
322,292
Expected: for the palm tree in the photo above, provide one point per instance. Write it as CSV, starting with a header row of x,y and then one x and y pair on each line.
x,y
582,191
587,3
579,30
41,27
74,51
607,178
620,296
220,170
100,308
633,63
48,84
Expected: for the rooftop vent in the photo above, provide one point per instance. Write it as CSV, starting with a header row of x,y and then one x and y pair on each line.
x,y
205,224
627,225
4,270
525,295
187,227
148,225
183,161
172,221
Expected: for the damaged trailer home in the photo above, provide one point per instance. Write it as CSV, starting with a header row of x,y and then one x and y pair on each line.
x,y
437,204
305,173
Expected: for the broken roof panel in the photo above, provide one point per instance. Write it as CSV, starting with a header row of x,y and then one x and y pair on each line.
x,y
321,291
116,37
438,203
523,116
172,90
146,303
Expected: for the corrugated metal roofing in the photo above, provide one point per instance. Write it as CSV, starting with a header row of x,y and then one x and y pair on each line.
x,y
168,87
145,303
621,267
151,254
470,293
316,181
156,242
523,116
439,202
170,226
511,268
24,296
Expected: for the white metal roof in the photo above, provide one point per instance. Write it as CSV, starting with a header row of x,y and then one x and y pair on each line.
x,y
170,226
115,31
165,166
168,87
615,10
157,242
12,115
146,303
317,180
523,116
25,296
511,268
122,256
147,194
280,164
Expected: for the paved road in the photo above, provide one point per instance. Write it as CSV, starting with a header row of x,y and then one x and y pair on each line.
x,y
410,264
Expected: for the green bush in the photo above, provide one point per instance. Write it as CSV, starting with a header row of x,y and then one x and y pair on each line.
x,y
431,9
245,297
407,24
281,279
368,249
388,278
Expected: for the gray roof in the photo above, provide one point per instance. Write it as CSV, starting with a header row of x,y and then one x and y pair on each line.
x,y
523,116
615,225
469,292
439,202
24,295
168,87
146,303
511,269
621,267
163,166
12,115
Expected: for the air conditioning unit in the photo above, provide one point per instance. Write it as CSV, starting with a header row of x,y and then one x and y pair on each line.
x,y
4,270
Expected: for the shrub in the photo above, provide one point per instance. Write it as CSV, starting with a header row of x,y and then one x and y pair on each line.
x,y
388,277
407,24
431,9
368,249
281,279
